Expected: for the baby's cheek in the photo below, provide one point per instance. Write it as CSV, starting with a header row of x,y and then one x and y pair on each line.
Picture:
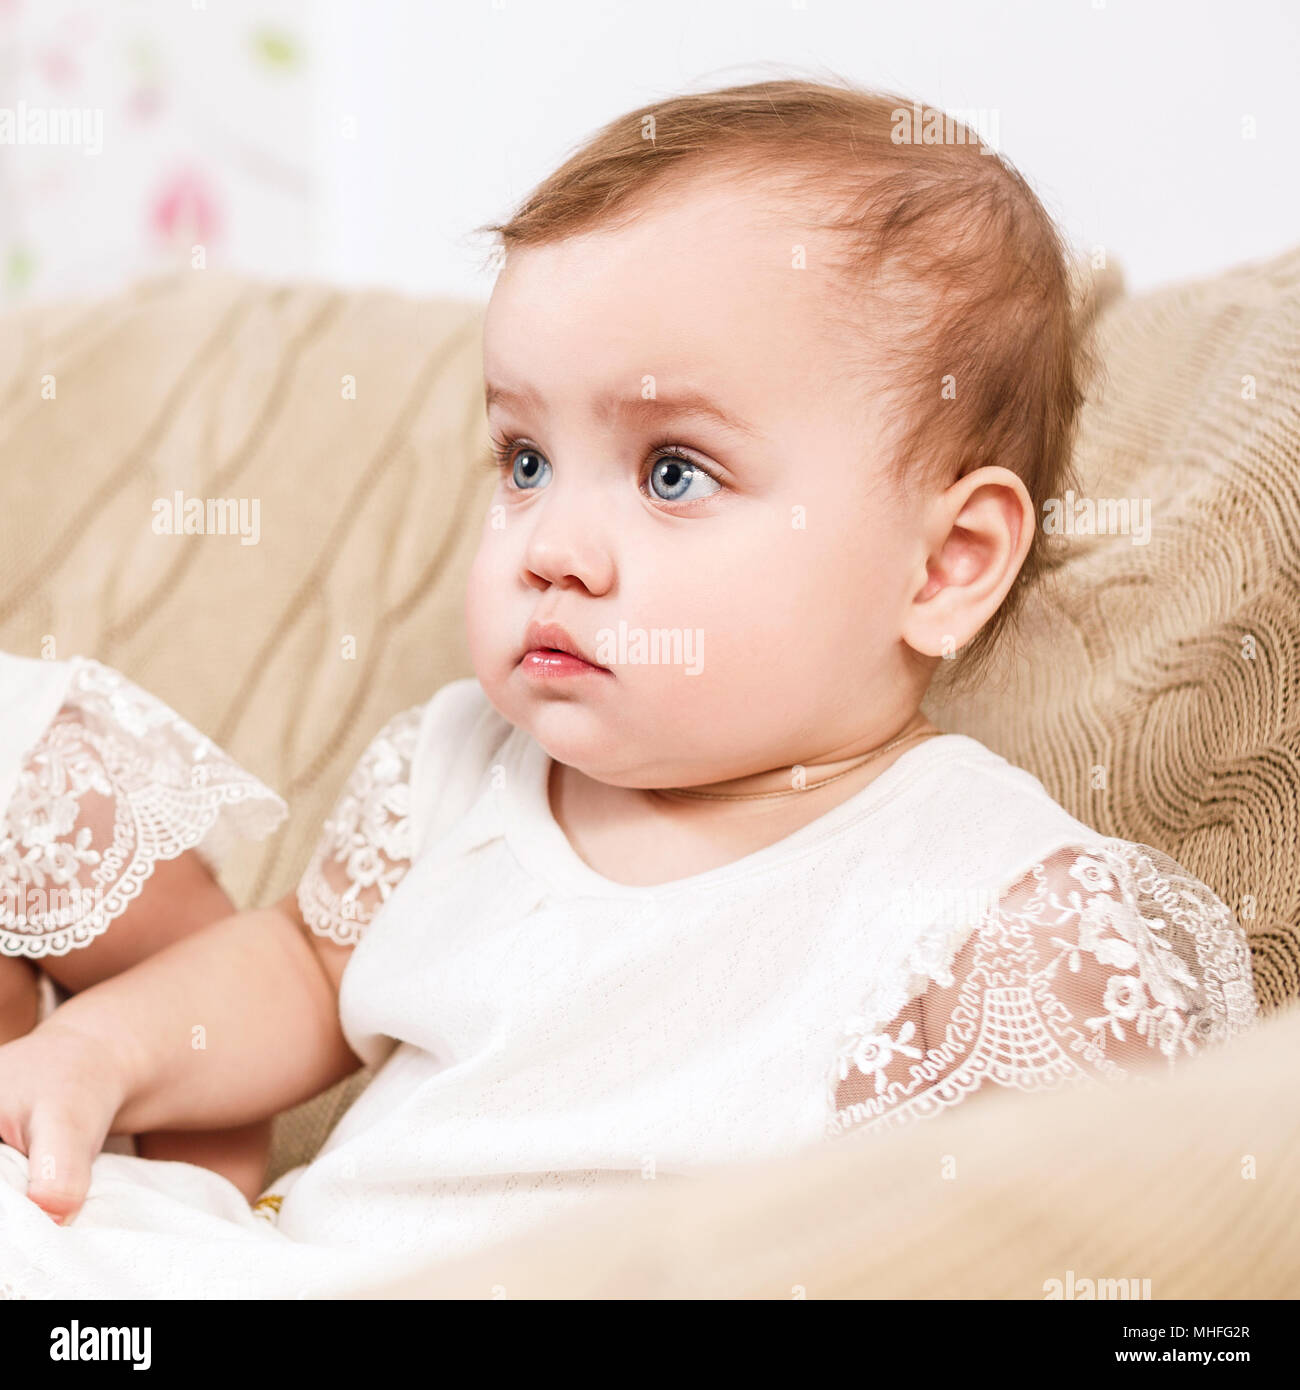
x,y
484,618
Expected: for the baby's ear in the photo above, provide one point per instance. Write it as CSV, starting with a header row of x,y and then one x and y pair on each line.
x,y
983,526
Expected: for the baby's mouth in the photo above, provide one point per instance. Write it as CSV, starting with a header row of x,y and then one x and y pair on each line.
x,y
547,663
550,651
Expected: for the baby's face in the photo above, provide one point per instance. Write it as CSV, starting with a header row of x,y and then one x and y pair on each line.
x,y
697,497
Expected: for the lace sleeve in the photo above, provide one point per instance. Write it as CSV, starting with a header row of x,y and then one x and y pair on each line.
x,y
365,846
1098,964
117,782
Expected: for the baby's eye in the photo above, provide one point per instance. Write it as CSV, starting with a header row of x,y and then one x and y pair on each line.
x,y
673,477
676,474
528,469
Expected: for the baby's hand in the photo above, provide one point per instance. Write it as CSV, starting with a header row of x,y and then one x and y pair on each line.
x,y
60,1090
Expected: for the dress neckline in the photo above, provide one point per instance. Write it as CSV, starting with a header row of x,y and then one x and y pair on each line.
x,y
542,847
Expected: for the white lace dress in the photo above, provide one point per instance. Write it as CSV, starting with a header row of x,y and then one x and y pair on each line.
x,y
541,1034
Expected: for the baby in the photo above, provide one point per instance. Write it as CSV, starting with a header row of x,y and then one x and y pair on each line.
x,y
777,392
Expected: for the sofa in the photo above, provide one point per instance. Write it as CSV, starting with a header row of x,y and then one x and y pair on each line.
x,y
1153,685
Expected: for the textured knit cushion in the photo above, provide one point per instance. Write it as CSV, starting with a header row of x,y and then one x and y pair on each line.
x,y
1155,689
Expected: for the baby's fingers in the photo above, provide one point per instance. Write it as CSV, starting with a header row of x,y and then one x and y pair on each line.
x,y
58,1165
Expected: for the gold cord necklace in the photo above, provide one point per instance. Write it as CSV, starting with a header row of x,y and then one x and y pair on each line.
x,y
791,791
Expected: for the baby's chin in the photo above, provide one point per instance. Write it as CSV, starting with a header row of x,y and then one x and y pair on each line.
x,y
619,729
595,739
573,731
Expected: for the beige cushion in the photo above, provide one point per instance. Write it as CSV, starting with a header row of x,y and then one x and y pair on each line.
x,y
1155,689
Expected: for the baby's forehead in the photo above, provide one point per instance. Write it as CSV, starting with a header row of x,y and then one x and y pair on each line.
x,y
669,298
730,289
691,229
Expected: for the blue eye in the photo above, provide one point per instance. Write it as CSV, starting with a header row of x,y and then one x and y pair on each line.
x,y
527,463
677,474
680,478
528,469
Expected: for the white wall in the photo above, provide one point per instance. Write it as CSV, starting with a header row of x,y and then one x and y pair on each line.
x,y
1158,129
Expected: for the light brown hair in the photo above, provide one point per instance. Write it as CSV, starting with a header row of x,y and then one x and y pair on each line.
x,y
980,354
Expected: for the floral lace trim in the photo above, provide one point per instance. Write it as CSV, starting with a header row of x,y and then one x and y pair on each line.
x,y
117,782
1177,968
366,844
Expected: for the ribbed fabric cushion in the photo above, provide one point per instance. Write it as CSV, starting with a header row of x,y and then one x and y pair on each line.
x,y
1155,688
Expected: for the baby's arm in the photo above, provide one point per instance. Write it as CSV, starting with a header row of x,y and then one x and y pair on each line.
x,y
179,897
263,989
231,1024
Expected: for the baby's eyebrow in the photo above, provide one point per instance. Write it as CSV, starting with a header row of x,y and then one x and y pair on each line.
x,y
609,404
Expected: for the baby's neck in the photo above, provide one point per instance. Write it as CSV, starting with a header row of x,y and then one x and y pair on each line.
x,y
641,837
799,779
